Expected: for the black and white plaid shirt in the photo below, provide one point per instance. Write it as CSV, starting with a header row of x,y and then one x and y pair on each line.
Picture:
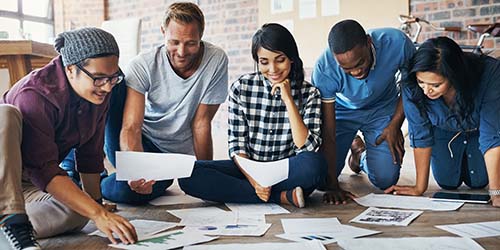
x,y
258,121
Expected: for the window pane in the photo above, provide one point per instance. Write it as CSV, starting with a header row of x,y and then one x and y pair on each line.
x,y
10,5
12,26
40,32
36,7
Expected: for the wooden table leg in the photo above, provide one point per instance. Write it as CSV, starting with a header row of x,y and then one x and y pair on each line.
x,y
19,66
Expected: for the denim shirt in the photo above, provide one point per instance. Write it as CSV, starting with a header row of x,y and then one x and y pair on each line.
x,y
485,117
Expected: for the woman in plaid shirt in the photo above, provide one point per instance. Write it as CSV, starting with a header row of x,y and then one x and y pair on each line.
x,y
273,114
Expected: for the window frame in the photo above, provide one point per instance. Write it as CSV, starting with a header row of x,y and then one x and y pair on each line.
x,y
21,17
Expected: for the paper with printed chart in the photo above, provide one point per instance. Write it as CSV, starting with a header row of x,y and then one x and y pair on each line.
x,y
144,228
261,208
474,230
414,243
406,202
231,230
265,173
325,230
213,216
152,166
312,245
387,217
167,240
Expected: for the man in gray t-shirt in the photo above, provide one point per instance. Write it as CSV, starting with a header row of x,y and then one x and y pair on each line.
x,y
172,95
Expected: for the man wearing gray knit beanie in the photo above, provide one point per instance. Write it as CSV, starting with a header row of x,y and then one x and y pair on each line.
x,y
47,113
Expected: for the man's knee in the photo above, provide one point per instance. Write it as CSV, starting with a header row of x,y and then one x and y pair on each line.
x,y
11,116
386,180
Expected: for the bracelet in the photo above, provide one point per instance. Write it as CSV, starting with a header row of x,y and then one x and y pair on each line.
x,y
99,201
494,192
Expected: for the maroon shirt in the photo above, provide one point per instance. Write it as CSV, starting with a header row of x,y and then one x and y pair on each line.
x,y
55,120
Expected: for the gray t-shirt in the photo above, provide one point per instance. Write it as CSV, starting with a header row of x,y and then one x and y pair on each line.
x,y
171,101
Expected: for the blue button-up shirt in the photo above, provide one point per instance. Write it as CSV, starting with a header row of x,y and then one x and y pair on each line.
x,y
485,117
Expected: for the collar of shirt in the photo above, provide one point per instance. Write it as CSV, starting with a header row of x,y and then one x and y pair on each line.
x,y
374,56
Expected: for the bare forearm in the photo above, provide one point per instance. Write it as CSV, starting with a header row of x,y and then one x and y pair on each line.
x,y
299,129
492,160
399,115
422,165
203,145
65,191
131,139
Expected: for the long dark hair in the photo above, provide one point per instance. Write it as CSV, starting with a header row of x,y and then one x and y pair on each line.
x,y
274,37
444,57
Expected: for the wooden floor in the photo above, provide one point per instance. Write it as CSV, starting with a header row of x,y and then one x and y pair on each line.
x,y
423,226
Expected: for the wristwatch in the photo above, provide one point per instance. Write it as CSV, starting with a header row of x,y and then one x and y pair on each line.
x,y
494,192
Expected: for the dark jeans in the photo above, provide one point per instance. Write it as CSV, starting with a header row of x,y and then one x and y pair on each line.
x,y
113,190
222,181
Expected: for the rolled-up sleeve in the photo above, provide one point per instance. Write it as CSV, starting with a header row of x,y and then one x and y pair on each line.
x,y
312,120
39,148
238,128
419,125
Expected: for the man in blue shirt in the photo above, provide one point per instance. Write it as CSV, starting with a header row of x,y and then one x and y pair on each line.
x,y
356,76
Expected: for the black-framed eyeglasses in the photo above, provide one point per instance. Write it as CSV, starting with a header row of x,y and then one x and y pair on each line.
x,y
100,81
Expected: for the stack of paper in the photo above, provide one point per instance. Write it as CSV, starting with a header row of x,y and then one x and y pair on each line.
x,y
406,202
215,221
263,208
326,230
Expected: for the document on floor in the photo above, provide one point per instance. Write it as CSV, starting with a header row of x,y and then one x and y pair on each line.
x,y
308,225
325,230
474,230
265,173
152,166
167,240
144,228
333,235
174,197
232,230
311,245
262,208
406,202
414,243
213,216
387,217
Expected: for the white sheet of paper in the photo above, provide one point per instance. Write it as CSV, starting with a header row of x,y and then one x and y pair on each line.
x,y
308,225
311,245
144,228
265,173
335,233
414,243
406,202
167,240
213,216
152,166
387,217
265,208
232,230
473,230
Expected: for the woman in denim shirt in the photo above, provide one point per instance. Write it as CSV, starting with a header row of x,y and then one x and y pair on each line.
x,y
452,102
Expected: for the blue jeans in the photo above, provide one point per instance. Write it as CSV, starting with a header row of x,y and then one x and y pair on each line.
x,y
467,165
222,181
376,161
113,190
